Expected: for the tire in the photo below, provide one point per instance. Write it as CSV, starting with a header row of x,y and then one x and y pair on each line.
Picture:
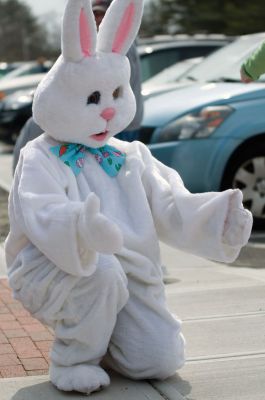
x,y
246,171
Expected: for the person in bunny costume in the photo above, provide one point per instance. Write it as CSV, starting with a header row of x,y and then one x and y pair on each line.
x,y
87,212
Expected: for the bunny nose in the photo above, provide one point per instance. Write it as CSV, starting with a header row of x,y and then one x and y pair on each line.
x,y
108,113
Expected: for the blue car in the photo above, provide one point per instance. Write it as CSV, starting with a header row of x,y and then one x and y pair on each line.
x,y
211,127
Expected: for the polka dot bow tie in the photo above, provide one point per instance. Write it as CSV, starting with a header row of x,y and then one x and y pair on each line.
x,y
73,155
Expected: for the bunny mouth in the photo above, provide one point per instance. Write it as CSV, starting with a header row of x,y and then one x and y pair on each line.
x,y
99,137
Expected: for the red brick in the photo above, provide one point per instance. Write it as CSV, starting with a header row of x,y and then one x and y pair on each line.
x,y
31,364
14,333
18,310
38,336
8,299
44,345
27,320
3,309
11,372
7,317
7,360
3,338
34,328
38,372
7,325
25,348
46,355
16,306
6,349
4,291
4,282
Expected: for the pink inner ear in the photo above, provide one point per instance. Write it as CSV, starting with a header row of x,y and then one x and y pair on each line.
x,y
124,29
85,39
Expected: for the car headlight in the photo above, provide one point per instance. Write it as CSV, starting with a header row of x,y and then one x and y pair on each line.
x,y
195,125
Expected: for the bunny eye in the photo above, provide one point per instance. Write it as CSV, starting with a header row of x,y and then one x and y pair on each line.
x,y
94,98
117,93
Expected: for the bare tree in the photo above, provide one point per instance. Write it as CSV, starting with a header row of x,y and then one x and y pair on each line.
x,y
22,37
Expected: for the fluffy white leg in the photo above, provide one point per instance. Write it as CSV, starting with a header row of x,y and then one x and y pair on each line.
x,y
81,378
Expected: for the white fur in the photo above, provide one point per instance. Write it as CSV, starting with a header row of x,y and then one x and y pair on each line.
x,y
110,25
83,252
84,294
60,102
81,378
71,48
96,231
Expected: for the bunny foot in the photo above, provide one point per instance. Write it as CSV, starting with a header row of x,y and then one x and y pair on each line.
x,y
81,378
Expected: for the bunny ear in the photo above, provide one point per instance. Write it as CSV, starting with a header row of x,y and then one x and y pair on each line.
x,y
120,26
79,31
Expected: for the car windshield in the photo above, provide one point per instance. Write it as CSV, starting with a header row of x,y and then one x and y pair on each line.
x,y
28,69
173,73
224,64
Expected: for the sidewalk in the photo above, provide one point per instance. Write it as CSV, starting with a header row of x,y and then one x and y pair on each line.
x,y
24,342
223,313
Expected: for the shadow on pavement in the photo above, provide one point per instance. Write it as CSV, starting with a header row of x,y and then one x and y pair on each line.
x,y
45,391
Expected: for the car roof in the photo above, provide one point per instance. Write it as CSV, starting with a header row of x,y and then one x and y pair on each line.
x,y
21,81
152,47
184,37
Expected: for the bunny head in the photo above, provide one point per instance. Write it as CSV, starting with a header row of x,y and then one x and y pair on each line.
x,y
86,97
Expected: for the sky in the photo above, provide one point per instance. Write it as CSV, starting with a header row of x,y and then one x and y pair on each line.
x,y
40,7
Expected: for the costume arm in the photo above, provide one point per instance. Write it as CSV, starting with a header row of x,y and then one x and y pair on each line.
x,y
254,66
211,225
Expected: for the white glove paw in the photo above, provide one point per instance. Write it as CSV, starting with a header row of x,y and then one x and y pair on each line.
x,y
96,230
238,223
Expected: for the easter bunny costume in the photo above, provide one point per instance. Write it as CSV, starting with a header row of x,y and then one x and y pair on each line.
x,y
83,249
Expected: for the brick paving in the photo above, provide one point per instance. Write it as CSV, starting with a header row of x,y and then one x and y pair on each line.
x,y
24,342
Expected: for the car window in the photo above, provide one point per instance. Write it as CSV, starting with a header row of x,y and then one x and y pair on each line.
x,y
37,69
153,63
172,73
225,63
197,51
28,69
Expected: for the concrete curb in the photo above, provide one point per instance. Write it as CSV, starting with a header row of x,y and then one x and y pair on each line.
x,y
32,388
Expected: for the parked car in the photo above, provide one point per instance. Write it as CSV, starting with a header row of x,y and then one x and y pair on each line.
x,y
15,110
29,68
27,82
157,55
213,130
167,78
6,68
24,77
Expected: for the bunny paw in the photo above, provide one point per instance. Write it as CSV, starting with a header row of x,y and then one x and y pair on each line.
x,y
238,224
81,378
98,232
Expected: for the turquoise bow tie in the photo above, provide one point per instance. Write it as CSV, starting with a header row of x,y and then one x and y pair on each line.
x,y
73,155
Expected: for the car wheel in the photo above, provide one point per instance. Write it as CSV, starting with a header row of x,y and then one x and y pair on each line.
x,y
247,172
